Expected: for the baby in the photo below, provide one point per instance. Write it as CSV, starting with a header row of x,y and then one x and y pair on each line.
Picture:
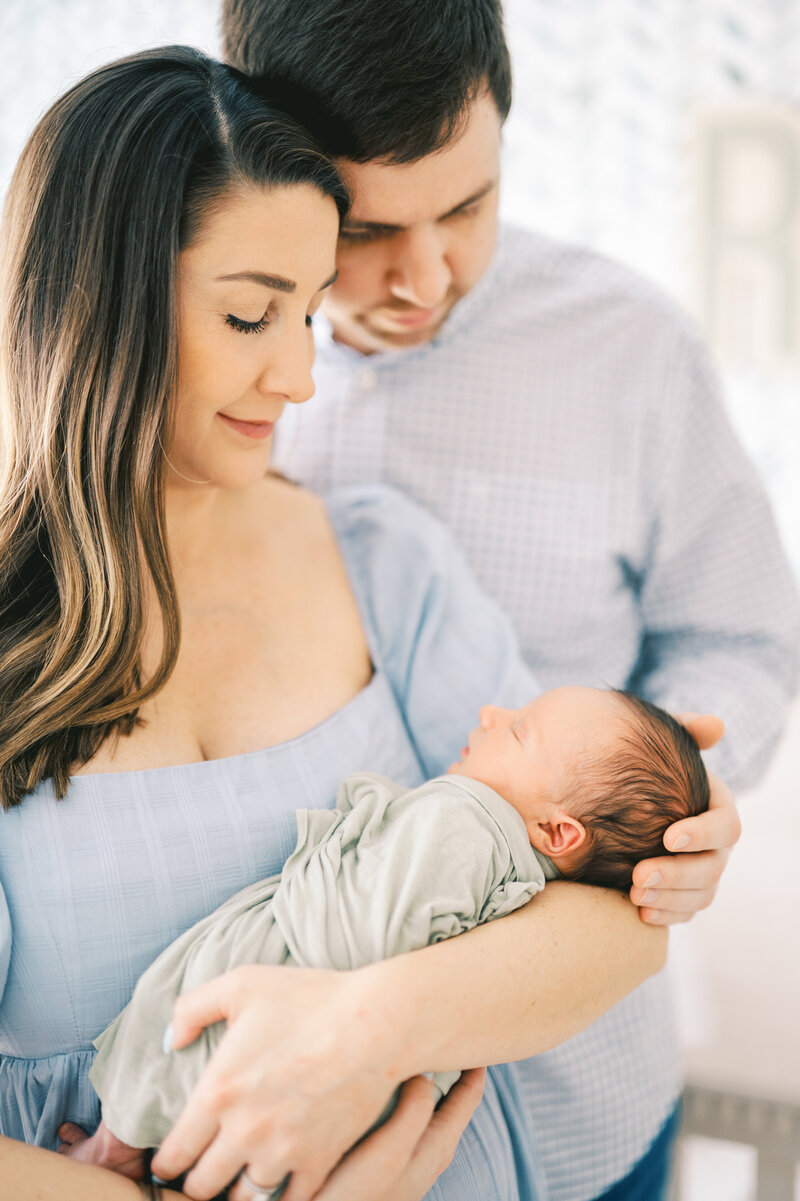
x,y
580,783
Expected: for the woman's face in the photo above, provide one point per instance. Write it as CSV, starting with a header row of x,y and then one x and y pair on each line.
x,y
247,287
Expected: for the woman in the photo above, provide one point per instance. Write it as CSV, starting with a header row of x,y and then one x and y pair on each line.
x,y
191,649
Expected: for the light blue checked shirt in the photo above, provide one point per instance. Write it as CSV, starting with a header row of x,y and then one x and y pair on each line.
x,y
567,426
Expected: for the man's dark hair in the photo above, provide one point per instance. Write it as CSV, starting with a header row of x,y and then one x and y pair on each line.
x,y
627,800
373,79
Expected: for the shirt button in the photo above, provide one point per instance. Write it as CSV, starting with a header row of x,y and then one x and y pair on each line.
x,y
367,379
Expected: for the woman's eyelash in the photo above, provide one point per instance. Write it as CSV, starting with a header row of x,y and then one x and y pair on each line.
x,y
246,327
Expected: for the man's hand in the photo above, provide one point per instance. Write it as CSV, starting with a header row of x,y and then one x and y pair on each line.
x,y
673,888
389,1165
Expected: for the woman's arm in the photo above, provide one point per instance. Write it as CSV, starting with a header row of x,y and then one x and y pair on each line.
x,y
521,985
33,1174
310,1057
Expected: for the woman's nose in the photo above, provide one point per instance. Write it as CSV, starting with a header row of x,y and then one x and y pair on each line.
x,y
287,372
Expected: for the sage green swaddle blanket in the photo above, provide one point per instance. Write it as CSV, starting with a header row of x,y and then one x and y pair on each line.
x,y
387,871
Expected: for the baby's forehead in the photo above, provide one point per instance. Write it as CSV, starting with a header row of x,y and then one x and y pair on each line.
x,y
603,719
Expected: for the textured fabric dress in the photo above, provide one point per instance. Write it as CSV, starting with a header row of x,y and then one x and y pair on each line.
x,y
94,887
388,870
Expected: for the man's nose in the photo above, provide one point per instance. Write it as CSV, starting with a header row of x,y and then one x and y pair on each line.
x,y
420,273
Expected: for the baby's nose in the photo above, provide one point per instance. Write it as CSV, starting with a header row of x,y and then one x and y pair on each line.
x,y
487,716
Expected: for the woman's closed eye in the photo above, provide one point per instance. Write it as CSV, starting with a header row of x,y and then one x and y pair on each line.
x,y
247,327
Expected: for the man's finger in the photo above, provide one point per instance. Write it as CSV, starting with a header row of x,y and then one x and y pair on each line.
x,y
705,728
673,872
440,1140
675,900
663,917
715,830
362,1175
463,1099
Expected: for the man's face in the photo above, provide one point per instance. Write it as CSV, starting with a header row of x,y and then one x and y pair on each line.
x,y
418,238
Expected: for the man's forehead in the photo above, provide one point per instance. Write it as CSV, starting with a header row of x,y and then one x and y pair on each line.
x,y
402,194
401,211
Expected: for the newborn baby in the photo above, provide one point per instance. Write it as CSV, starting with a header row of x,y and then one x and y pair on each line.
x,y
580,783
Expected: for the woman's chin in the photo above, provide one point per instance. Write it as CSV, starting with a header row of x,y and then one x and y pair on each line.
x,y
223,476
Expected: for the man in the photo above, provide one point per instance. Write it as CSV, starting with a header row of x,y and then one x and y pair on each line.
x,y
561,417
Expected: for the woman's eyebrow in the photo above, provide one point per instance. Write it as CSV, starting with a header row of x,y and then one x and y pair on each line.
x,y
278,282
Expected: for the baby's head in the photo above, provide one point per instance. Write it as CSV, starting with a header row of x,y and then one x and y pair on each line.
x,y
597,776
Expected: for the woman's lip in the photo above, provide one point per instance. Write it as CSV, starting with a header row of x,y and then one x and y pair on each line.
x,y
250,429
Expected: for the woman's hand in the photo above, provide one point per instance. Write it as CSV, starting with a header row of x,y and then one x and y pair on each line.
x,y
305,1067
674,887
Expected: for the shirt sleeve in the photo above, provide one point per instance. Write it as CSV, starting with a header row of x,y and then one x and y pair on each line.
x,y
5,941
718,602
445,646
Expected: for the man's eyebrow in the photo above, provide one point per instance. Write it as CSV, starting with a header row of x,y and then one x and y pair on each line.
x,y
278,282
479,195
384,228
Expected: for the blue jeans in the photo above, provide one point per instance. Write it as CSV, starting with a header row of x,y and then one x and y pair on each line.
x,y
648,1179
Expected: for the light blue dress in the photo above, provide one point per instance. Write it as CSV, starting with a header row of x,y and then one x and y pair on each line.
x,y
93,888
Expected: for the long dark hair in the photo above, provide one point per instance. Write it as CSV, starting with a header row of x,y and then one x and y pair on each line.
x,y
112,184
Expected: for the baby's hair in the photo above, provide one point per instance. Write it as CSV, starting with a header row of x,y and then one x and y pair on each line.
x,y
626,800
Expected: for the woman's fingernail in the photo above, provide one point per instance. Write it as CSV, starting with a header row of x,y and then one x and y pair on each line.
x,y
428,1075
166,1045
649,896
654,915
653,881
680,843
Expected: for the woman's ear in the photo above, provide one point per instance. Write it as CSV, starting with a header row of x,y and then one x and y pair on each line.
x,y
558,836
705,728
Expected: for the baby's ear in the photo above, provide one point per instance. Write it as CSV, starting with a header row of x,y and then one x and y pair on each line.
x,y
561,835
705,728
